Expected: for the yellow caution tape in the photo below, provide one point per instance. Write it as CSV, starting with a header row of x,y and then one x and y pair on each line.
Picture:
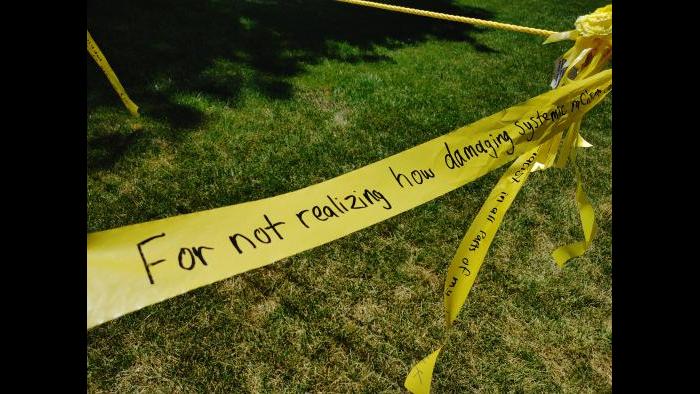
x,y
470,254
101,61
562,254
591,52
138,265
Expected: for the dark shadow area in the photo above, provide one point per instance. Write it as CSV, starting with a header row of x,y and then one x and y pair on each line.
x,y
160,106
104,150
216,48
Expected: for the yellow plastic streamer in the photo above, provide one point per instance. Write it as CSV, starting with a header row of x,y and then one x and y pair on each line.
x,y
591,52
101,61
138,265
470,254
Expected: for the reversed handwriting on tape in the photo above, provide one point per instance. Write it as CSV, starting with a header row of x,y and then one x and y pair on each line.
x,y
521,171
477,240
464,266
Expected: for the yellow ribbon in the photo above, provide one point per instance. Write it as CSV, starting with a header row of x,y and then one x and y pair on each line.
x,y
131,267
139,265
101,61
591,52
470,254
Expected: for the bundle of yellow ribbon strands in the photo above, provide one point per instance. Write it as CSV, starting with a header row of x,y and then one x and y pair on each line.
x,y
591,53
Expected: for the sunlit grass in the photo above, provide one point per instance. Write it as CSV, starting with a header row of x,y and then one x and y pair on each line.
x,y
246,100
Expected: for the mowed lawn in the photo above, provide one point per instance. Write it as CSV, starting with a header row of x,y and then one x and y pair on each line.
x,y
243,100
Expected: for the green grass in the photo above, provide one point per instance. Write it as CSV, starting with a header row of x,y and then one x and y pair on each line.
x,y
242,100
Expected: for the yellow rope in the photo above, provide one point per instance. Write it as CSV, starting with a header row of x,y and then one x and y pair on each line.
x,y
454,18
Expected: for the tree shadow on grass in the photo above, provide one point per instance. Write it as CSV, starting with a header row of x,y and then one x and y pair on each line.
x,y
104,150
162,49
